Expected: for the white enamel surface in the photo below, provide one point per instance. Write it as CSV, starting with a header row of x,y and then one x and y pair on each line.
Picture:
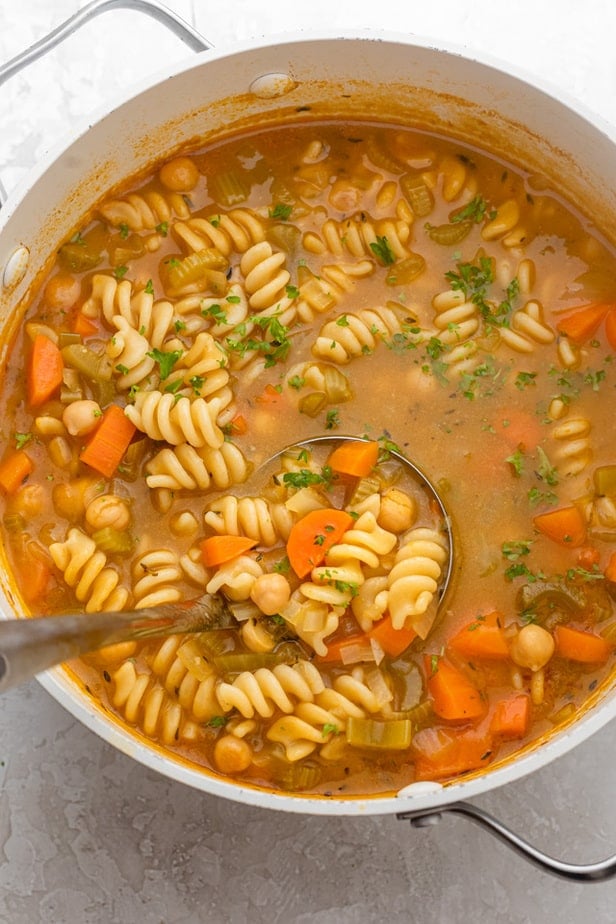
x,y
46,749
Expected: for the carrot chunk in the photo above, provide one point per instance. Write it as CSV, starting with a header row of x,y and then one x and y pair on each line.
x,y
577,645
216,550
393,641
481,638
45,370
14,469
566,525
313,536
511,717
356,458
610,328
610,571
583,323
110,441
444,752
83,326
454,696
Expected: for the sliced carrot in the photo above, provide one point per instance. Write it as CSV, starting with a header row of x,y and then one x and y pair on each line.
x,y
45,370
356,458
454,696
610,571
610,328
270,395
588,557
32,574
239,425
313,536
444,752
110,441
577,645
511,717
216,550
583,323
14,469
393,641
566,525
481,638
84,326
348,649
520,429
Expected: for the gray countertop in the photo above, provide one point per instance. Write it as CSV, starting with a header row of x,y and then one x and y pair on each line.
x,y
86,834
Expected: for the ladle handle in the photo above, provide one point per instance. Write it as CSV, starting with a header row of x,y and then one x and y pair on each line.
x,y
28,646
162,14
589,872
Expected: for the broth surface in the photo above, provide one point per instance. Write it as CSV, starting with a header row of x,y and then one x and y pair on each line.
x,y
312,280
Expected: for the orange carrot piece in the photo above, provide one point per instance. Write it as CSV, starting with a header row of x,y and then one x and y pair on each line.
x,y
45,370
481,638
610,571
610,328
393,641
588,557
32,574
84,326
356,458
583,323
519,429
454,696
313,536
216,550
577,645
239,425
270,395
110,440
14,469
511,717
566,525
444,752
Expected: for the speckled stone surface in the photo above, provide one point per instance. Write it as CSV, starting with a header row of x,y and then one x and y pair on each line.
x,y
87,836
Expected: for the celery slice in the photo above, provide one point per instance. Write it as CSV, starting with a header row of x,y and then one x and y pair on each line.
x,y
449,234
228,189
238,661
113,541
418,193
605,480
384,736
296,777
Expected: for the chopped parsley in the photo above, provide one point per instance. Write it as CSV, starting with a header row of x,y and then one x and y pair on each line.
x,y
166,361
475,211
124,230
304,478
381,249
281,211
149,288
120,271
523,379
516,461
546,471
217,721
516,549
292,292
163,228
297,382
21,439
332,420
216,313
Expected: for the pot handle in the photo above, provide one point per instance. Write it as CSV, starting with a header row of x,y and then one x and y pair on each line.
x,y
185,32
590,872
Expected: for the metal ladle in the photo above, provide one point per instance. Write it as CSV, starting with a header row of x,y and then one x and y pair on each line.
x,y
31,645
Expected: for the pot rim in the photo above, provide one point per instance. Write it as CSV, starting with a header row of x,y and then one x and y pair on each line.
x,y
66,692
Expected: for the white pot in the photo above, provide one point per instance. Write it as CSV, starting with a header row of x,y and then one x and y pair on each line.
x,y
386,77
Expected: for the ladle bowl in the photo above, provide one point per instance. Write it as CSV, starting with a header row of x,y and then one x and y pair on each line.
x,y
29,646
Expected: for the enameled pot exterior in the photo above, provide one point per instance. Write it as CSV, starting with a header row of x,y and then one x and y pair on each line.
x,y
365,77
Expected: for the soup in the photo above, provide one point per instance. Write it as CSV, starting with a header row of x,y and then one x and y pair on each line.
x,y
317,280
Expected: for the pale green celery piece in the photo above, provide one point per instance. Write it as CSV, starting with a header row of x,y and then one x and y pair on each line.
x,y
91,365
417,192
298,776
113,541
195,267
406,270
238,661
284,236
312,404
337,386
78,257
66,337
228,189
130,467
14,523
364,488
450,234
68,395
392,735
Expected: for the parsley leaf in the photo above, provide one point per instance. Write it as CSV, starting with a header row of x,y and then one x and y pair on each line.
x,y
381,249
166,361
21,439
475,210
281,211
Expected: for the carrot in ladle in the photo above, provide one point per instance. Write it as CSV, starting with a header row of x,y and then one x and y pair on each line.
x,y
313,536
356,458
216,550
14,469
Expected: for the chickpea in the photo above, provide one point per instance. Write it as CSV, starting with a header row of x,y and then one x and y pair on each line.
x,y
179,174
70,499
81,417
270,592
27,501
62,291
532,647
398,511
107,510
232,755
